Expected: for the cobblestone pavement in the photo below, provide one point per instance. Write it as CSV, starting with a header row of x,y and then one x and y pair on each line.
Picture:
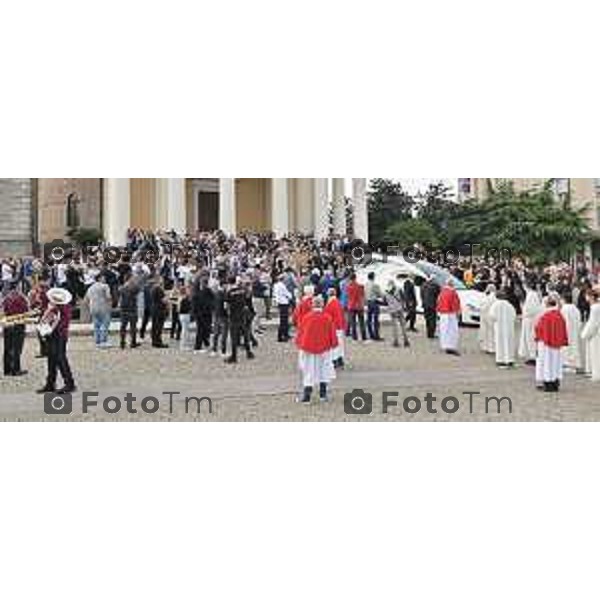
x,y
265,389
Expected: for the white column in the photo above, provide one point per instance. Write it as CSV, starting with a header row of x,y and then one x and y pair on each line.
x,y
227,206
176,205
321,212
117,210
339,208
280,216
360,210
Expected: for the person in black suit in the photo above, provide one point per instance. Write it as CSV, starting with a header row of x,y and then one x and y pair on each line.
x,y
160,310
203,304
430,291
410,298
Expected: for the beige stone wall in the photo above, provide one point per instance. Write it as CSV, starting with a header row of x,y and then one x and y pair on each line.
x,y
52,197
143,202
253,204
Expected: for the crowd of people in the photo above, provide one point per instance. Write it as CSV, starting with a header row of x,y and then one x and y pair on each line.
x,y
558,334
214,292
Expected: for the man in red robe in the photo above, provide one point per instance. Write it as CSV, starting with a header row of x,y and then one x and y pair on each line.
x,y
335,310
316,341
304,307
551,335
449,309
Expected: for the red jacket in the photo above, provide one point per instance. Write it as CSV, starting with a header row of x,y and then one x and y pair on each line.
x,y
336,312
448,301
318,333
356,296
551,329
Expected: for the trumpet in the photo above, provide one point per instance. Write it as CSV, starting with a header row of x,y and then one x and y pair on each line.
x,y
22,319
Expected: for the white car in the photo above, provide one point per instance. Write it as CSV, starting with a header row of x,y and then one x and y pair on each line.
x,y
388,270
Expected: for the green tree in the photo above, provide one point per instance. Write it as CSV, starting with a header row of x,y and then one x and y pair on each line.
x,y
533,224
436,207
388,203
412,232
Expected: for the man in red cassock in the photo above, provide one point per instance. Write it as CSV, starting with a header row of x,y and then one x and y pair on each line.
x,y
552,336
303,308
448,307
335,310
316,341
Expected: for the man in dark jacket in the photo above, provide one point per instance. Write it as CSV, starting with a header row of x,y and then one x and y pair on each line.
x,y
160,310
410,298
203,302
128,304
236,301
221,324
430,291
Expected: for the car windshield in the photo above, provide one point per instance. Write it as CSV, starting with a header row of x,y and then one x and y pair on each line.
x,y
440,276
390,268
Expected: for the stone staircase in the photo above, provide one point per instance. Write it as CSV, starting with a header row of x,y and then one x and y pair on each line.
x,y
16,221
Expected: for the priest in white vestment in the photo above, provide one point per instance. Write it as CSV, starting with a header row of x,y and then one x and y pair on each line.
x,y
504,317
591,335
573,353
532,309
486,325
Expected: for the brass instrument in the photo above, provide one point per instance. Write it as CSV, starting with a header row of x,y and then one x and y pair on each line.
x,y
49,322
22,319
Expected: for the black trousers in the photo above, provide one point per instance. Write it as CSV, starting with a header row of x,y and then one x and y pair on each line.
x,y
158,325
283,334
129,320
145,320
430,322
239,332
43,346
58,362
14,338
203,331
175,324
360,316
411,317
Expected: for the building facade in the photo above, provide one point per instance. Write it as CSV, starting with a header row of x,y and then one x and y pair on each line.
x,y
35,211
583,192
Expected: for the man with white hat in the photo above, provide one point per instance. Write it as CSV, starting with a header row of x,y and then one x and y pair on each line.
x,y
58,319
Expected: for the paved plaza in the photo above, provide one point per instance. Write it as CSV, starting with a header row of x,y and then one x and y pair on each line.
x,y
265,389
